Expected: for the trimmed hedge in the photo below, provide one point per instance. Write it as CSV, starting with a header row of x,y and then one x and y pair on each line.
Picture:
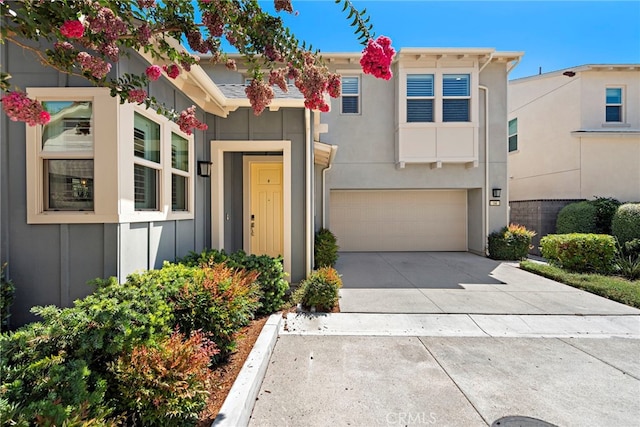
x,y
580,252
271,274
625,225
579,217
510,243
319,290
325,249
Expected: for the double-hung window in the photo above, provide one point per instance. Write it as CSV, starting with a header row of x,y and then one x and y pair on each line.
x,y
147,166
613,112
513,135
420,98
67,153
456,97
350,88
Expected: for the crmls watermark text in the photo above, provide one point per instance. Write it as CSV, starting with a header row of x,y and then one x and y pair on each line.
x,y
407,418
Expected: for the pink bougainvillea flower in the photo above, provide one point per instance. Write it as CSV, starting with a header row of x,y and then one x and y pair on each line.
x,y
260,95
146,3
20,108
93,65
188,121
72,29
377,56
153,72
137,95
172,70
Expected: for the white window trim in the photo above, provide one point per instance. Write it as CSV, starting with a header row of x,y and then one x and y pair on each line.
x,y
432,97
105,116
438,97
113,159
358,95
445,97
621,105
128,213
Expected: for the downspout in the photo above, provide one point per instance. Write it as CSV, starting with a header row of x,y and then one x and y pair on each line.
x,y
332,155
308,168
486,168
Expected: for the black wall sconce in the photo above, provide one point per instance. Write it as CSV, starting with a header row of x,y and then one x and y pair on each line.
x,y
496,192
204,168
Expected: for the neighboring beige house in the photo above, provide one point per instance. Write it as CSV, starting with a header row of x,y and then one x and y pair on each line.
x,y
573,134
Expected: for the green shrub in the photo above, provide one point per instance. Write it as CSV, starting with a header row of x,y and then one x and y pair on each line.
x,y
271,277
166,384
626,223
325,249
606,207
580,252
7,290
510,243
631,248
578,217
219,304
320,289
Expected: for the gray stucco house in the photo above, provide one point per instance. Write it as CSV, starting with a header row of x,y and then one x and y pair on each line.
x,y
107,189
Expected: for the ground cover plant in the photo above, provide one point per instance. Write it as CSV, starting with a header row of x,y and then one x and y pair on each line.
x,y
611,287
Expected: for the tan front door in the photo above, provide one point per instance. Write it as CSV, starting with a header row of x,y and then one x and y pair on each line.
x,y
266,210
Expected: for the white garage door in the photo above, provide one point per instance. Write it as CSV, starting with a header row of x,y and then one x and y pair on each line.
x,y
399,220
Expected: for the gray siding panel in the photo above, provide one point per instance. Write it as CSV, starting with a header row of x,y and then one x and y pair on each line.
x,y
134,248
162,243
185,239
85,259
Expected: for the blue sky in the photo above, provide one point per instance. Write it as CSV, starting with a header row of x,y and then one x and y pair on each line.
x,y
552,34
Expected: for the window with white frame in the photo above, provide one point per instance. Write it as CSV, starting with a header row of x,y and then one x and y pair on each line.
x,y
513,135
420,98
456,97
147,166
350,88
66,153
613,113
180,173
99,161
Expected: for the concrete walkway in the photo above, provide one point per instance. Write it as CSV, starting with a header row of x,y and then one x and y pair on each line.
x,y
449,339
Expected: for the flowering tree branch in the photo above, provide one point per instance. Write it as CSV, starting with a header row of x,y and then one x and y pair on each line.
x,y
86,37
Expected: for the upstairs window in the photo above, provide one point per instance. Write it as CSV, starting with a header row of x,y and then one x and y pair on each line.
x,y
456,97
350,88
420,98
147,167
613,112
513,135
67,156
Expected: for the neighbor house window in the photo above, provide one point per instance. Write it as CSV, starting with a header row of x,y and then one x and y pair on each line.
x,y
456,96
513,135
179,173
350,95
420,98
147,166
67,152
614,104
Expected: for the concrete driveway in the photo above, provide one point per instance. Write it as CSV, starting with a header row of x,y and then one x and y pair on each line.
x,y
447,339
457,282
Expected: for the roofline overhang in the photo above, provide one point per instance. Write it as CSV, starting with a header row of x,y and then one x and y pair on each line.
x,y
579,69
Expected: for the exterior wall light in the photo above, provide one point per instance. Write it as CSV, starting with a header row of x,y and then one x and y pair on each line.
x,y
204,168
496,192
